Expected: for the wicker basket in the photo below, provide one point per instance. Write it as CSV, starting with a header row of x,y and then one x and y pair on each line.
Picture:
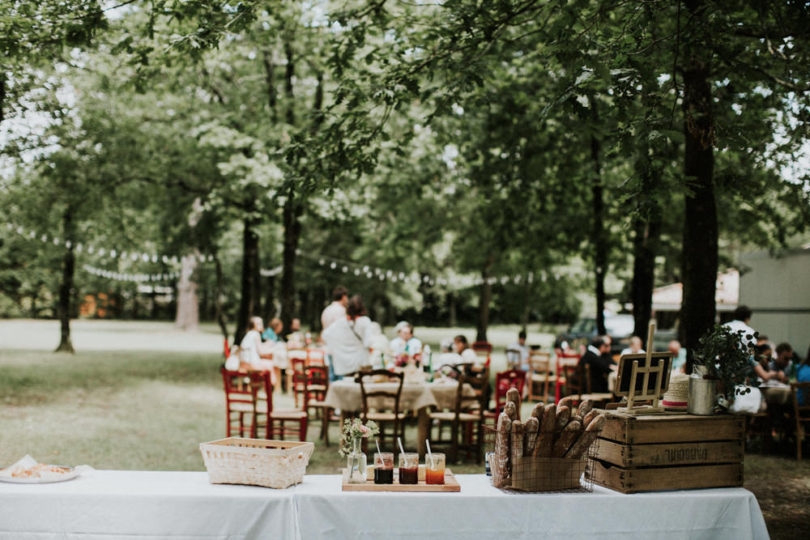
x,y
256,462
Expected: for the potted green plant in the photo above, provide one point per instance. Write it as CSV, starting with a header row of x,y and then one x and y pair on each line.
x,y
721,369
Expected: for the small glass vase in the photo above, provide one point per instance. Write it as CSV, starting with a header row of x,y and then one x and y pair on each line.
x,y
356,465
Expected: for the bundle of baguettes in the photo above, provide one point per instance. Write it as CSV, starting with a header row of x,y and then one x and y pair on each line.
x,y
552,431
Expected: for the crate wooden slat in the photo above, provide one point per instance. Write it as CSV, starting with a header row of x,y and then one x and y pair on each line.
x,y
671,428
666,454
450,485
667,478
669,451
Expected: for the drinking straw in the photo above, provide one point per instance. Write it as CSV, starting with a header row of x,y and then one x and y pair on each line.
x,y
378,446
401,450
430,454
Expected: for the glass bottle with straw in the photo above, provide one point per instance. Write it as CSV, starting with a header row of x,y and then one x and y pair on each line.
x,y
434,467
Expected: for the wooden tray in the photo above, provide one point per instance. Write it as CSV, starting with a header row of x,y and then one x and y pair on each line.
x,y
450,485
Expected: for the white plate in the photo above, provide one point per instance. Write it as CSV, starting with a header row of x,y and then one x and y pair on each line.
x,y
50,479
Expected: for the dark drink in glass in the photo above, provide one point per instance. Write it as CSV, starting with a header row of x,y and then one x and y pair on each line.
x,y
384,468
383,476
409,468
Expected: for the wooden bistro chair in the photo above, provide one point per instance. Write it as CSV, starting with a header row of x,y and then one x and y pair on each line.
x,y
316,386
316,357
599,399
240,404
540,375
483,349
382,404
276,422
801,413
466,418
568,380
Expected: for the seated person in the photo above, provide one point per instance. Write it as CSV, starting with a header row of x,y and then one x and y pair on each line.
x,y
253,352
462,348
598,357
517,354
803,375
295,338
635,347
448,357
273,330
678,355
348,340
405,343
379,350
785,365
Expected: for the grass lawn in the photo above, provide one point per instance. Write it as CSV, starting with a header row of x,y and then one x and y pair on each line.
x,y
142,396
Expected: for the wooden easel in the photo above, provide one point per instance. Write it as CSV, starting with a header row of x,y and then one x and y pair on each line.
x,y
652,394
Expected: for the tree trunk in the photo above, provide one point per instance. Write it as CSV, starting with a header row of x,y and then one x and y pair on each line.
x,y
187,316
269,308
598,239
248,305
451,309
219,313
700,219
66,287
484,298
292,234
646,239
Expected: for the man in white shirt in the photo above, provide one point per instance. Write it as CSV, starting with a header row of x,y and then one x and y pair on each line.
x,y
517,354
405,343
635,346
348,340
337,309
742,315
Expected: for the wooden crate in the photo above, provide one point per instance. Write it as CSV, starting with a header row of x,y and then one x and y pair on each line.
x,y
669,451
667,478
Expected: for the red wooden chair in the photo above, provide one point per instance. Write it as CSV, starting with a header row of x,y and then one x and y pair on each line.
x,y
503,382
240,404
275,421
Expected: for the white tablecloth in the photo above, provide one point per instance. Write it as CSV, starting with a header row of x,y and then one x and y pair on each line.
x,y
132,504
346,395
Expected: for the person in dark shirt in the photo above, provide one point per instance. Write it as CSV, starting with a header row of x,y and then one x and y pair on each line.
x,y
598,358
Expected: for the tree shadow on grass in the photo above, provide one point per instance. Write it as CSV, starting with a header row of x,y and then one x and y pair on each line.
x,y
34,377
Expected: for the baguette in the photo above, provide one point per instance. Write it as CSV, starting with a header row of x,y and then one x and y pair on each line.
x,y
537,411
584,408
587,438
530,440
545,440
568,436
589,417
563,415
567,401
500,465
510,409
514,396
517,443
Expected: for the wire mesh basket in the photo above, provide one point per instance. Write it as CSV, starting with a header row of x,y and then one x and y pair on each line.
x,y
530,473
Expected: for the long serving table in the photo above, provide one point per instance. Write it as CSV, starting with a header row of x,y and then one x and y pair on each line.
x,y
183,505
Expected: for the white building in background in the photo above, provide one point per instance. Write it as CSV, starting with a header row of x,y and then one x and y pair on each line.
x,y
777,289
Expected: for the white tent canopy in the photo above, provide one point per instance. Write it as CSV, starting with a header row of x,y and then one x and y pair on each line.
x,y
726,296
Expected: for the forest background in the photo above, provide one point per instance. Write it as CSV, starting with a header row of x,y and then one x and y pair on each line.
x,y
454,161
